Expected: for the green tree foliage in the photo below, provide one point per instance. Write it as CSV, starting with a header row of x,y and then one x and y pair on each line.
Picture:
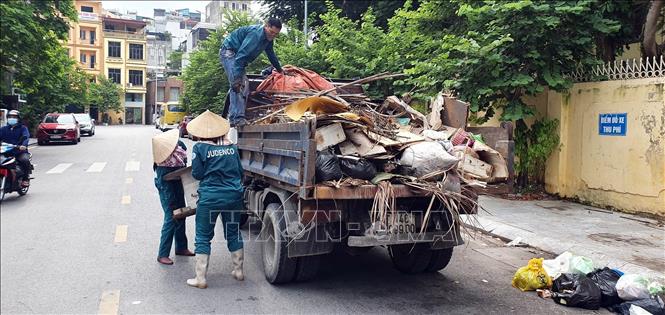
x,y
205,81
354,10
175,59
105,94
30,47
533,146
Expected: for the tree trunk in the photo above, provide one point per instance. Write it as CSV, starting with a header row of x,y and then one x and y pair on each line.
x,y
651,28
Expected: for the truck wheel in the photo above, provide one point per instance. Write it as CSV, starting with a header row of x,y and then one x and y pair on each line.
x,y
411,258
307,267
277,266
440,259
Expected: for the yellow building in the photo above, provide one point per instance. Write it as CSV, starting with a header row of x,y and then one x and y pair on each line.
x,y
85,43
125,63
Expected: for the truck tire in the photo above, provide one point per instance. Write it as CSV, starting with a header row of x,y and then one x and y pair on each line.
x,y
411,258
277,266
440,259
307,267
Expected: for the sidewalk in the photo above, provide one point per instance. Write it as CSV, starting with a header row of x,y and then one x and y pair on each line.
x,y
630,243
32,142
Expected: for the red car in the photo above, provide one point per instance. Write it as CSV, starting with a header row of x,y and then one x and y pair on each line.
x,y
59,128
183,127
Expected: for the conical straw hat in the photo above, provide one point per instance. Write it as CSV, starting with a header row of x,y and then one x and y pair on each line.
x,y
208,125
164,144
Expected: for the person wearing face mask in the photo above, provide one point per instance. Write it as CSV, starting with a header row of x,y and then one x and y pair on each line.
x,y
240,48
17,134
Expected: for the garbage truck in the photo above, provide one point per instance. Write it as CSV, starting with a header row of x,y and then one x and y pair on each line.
x,y
301,220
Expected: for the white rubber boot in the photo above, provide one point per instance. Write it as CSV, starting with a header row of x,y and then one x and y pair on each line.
x,y
238,257
201,270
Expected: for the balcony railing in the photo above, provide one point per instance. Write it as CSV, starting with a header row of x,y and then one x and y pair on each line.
x,y
123,34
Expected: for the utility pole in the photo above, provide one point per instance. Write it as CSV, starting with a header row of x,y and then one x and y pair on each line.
x,y
304,30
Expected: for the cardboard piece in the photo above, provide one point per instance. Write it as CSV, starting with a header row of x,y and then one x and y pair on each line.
x,y
315,104
493,157
476,169
329,135
403,138
359,144
455,112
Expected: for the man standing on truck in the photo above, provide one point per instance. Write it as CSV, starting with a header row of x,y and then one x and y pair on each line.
x,y
240,48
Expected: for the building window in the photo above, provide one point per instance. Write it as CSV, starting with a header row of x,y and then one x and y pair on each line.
x,y
175,94
136,77
114,75
160,94
244,6
226,5
87,9
82,58
93,60
114,49
93,37
136,51
133,97
82,34
131,30
234,6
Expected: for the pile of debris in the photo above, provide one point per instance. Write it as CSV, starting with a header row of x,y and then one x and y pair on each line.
x,y
360,140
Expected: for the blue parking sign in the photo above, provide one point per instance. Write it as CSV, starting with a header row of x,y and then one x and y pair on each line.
x,y
612,124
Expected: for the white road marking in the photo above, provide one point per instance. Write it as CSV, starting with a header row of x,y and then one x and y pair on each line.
x,y
96,167
120,234
108,304
126,199
132,166
58,169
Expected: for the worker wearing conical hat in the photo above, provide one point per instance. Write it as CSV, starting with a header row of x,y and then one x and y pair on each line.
x,y
170,154
216,164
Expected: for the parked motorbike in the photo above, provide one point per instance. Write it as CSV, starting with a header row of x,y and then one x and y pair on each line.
x,y
11,172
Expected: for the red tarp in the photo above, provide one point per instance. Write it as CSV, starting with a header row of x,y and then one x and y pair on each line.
x,y
298,79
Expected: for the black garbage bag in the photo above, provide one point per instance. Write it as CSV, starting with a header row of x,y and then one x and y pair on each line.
x,y
361,169
606,279
327,167
576,290
654,306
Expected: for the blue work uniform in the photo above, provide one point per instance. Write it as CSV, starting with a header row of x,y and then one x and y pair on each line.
x,y
240,48
218,169
172,197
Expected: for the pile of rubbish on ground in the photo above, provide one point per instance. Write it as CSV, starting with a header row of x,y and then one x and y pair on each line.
x,y
360,140
573,281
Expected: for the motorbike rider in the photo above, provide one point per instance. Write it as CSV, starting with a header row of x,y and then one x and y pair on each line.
x,y
17,134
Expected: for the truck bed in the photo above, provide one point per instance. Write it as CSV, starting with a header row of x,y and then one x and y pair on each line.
x,y
284,155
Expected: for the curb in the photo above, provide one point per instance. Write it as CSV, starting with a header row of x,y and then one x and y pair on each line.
x,y
555,247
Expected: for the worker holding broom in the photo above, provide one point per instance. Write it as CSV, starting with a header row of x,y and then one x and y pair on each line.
x,y
170,154
216,164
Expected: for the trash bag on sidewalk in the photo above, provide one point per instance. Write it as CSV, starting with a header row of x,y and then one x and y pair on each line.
x,y
654,306
327,166
581,265
633,287
362,169
606,280
561,264
532,276
576,290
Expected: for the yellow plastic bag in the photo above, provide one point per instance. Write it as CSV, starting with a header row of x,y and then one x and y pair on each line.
x,y
532,276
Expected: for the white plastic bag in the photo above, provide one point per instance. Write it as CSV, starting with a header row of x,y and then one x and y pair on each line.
x,y
427,157
633,287
561,264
